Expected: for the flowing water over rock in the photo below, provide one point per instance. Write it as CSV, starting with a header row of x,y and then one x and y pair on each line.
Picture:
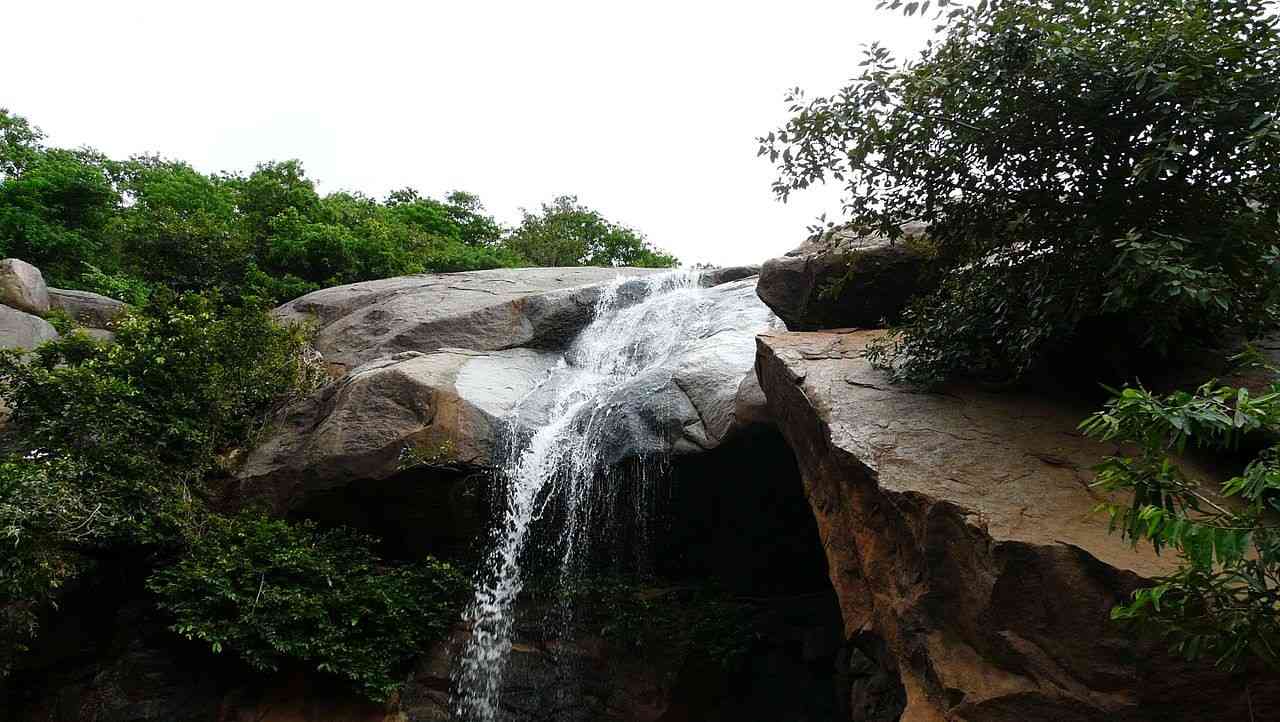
x,y
610,399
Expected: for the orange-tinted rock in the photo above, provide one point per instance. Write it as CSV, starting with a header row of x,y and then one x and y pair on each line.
x,y
959,530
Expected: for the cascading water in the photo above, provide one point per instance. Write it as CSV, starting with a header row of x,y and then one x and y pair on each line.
x,y
639,328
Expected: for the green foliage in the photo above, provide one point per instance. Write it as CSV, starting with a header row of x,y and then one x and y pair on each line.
x,y
109,448
127,228
107,444
54,208
567,233
44,522
1224,600
183,381
276,592
19,144
1106,163
180,230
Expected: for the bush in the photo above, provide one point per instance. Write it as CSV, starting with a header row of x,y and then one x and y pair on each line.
x,y
107,444
276,592
109,450
185,379
1105,164
1222,601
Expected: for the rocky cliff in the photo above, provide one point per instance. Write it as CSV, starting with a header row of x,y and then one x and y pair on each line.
x,y
916,556
961,540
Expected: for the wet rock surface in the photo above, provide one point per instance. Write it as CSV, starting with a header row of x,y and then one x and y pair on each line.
x,y
456,405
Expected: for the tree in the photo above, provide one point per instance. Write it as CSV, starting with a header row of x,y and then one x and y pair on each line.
x,y
567,233
1083,167
53,212
180,228
19,144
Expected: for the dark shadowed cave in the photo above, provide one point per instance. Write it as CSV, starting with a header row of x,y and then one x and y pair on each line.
x,y
734,519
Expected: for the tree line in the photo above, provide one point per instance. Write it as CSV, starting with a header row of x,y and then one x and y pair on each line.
x,y
126,227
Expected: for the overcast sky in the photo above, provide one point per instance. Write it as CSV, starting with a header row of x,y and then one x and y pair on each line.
x,y
646,110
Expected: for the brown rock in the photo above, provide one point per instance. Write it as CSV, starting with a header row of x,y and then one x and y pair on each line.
x,y
448,403
875,278
959,530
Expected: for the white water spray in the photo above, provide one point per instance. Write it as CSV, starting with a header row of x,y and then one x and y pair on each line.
x,y
559,463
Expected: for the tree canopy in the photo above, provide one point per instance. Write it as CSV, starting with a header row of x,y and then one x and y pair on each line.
x,y
1103,163
566,233
124,227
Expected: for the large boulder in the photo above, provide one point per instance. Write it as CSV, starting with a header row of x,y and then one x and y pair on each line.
x,y
447,405
22,287
456,405
86,308
844,280
23,330
478,310
962,544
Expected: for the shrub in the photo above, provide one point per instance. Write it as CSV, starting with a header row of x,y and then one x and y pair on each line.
x,y
185,379
276,592
110,445
107,444
1222,601
1098,164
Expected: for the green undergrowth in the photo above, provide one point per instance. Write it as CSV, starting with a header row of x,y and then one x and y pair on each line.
x,y
117,450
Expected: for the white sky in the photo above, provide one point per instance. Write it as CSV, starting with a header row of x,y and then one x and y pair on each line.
x,y
646,110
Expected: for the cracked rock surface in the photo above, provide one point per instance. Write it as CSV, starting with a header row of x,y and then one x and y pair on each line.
x,y
959,530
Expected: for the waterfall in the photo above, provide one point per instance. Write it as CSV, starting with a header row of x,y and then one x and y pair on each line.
x,y
639,329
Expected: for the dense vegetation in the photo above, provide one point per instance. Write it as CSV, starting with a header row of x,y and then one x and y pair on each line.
x,y
1105,168
125,227
116,451
1100,175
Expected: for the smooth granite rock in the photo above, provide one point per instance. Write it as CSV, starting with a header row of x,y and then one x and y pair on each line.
x,y
22,287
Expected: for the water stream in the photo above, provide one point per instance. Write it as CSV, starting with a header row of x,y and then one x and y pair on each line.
x,y
556,465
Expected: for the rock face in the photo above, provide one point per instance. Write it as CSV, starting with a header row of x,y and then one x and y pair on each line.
x,y
446,404
477,310
23,330
878,280
455,405
85,308
22,286
961,544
